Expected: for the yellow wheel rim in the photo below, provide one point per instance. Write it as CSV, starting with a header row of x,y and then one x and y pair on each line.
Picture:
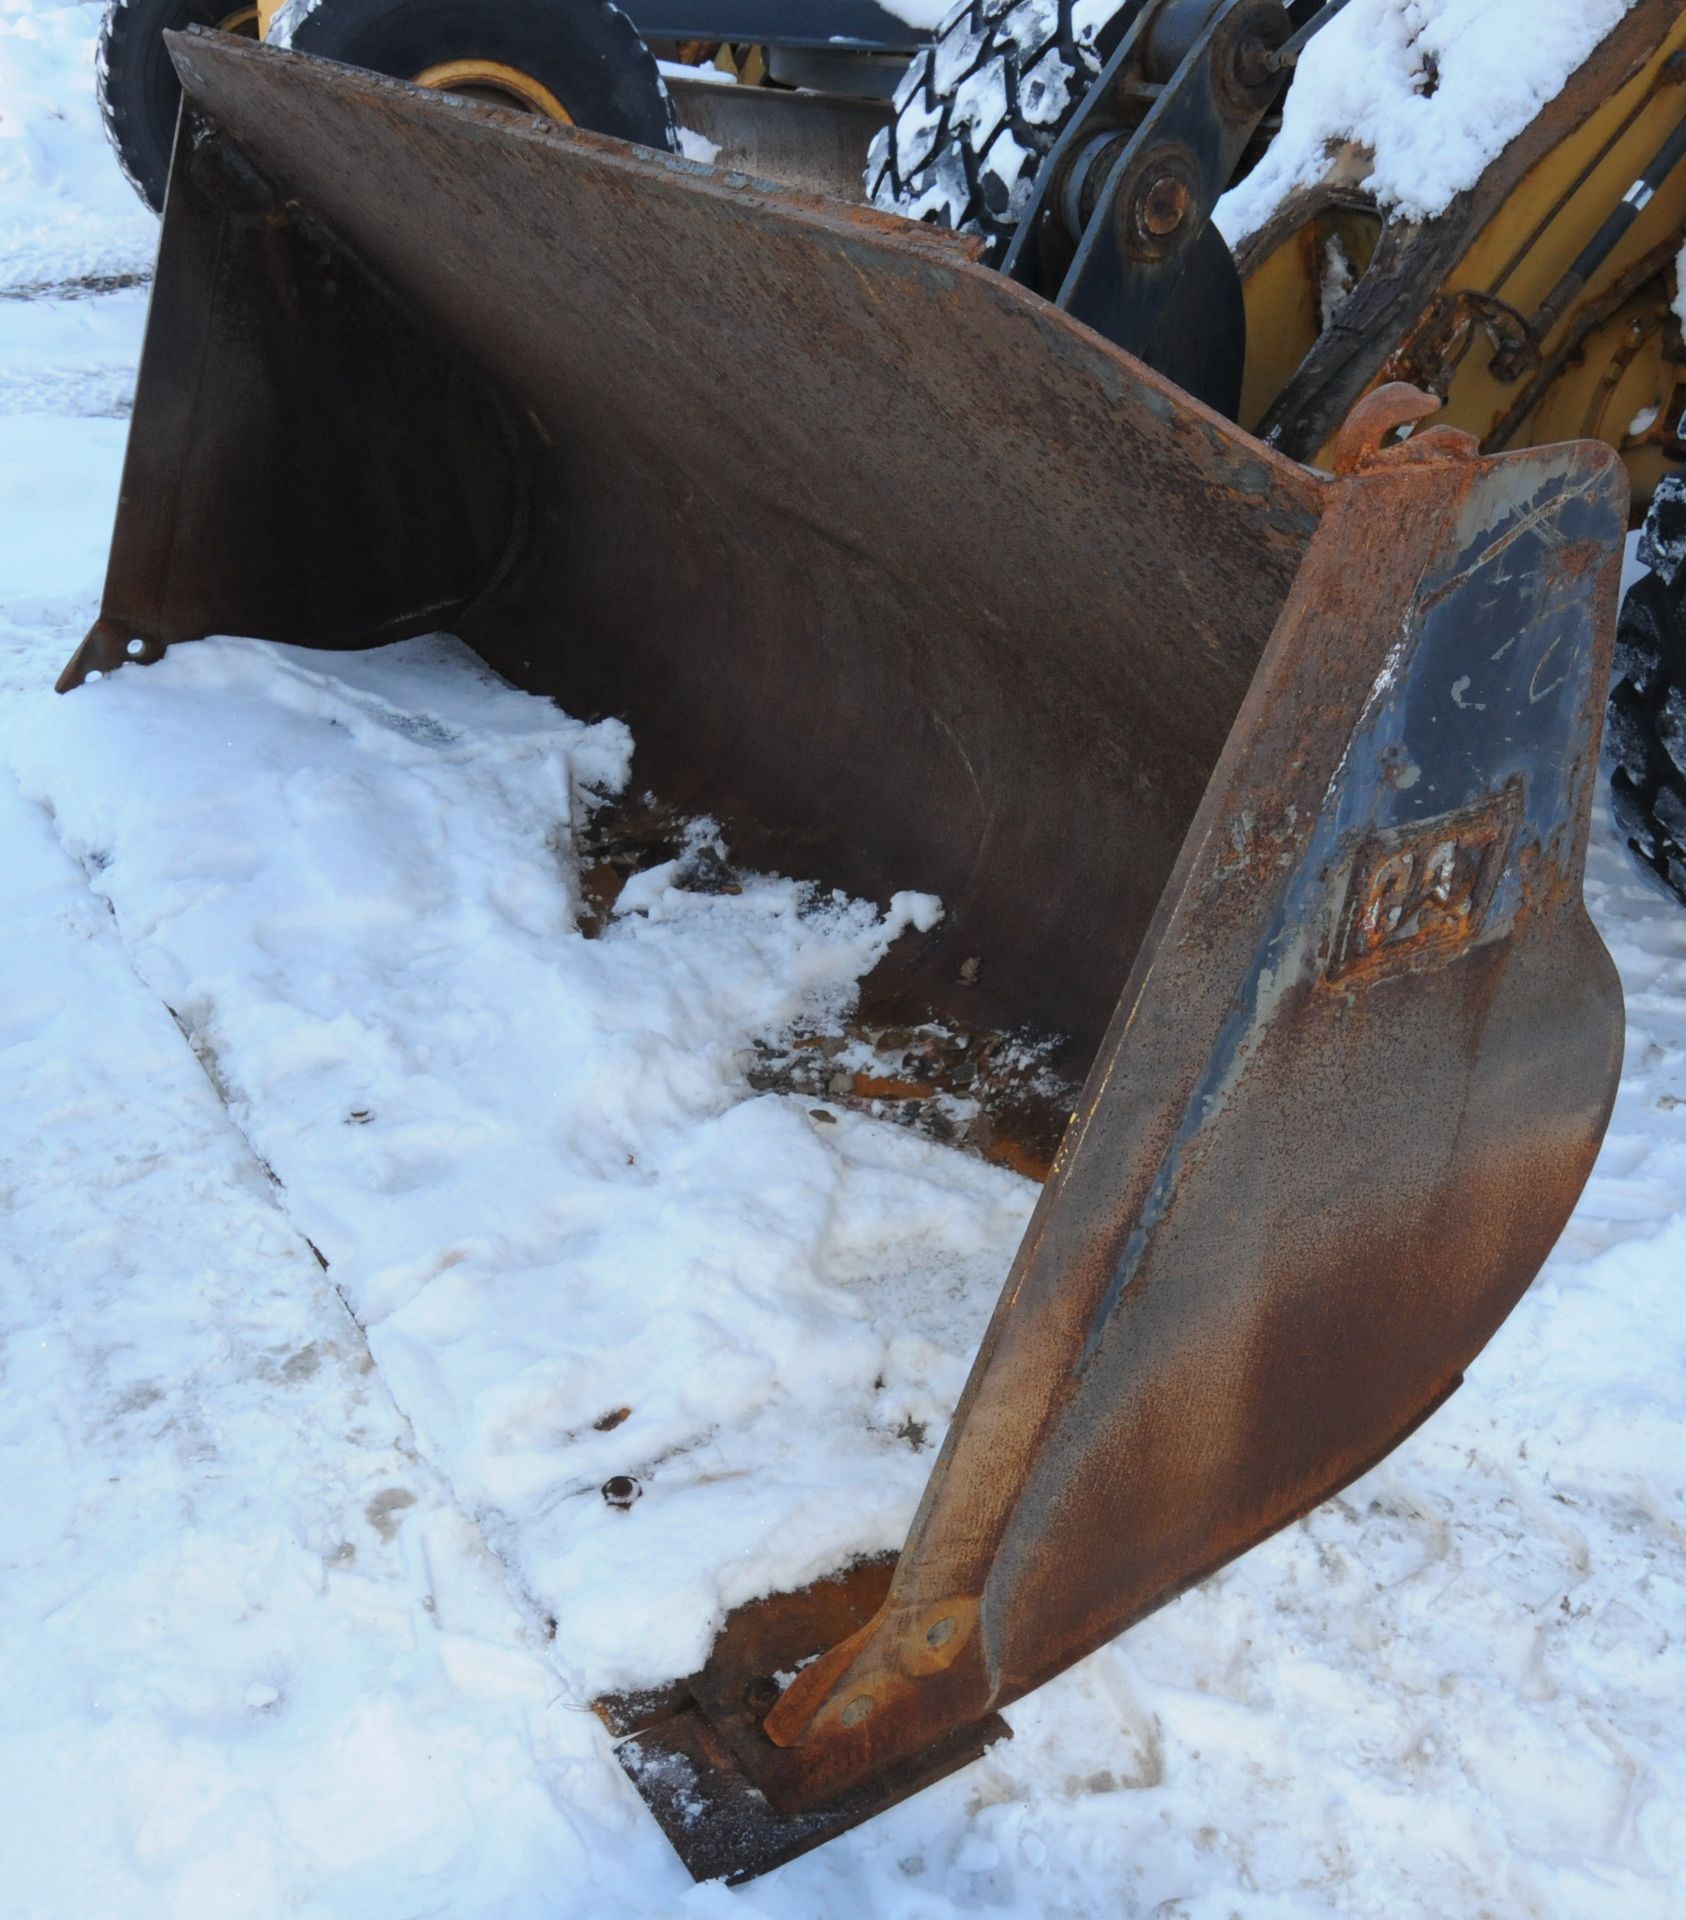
x,y
492,80
243,20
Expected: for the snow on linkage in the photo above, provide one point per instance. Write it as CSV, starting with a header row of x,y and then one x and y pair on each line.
x,y
926,15
1435,88
527,1156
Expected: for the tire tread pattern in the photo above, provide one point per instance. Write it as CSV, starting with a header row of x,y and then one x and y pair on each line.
x,y
1647,715
979,109
137,87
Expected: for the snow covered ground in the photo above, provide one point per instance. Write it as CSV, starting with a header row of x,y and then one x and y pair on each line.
x,y
307,1579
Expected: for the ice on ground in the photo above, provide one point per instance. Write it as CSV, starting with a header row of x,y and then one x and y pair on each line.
x,y
1434,89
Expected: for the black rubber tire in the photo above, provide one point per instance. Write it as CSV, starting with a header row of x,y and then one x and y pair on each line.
x,y
139,93
978,109
1647,719
586,52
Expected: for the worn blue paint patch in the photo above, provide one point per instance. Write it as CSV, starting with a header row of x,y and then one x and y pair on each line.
x,y
1483,713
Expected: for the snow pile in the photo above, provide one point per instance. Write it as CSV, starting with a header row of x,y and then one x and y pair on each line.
x,y
925,15
527,1156
1434,89
66,212
534,1169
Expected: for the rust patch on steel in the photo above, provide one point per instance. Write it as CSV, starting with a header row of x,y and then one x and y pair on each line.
x,y
721,1790
1285,1218
1421,894
999,1095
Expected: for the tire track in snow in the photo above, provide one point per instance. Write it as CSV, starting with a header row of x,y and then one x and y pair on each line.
x,y
236,1599
365,1358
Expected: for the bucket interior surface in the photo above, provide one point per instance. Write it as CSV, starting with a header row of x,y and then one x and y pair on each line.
x,y
898,573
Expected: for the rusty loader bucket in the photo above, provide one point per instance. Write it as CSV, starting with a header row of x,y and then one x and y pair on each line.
x,y
1266,790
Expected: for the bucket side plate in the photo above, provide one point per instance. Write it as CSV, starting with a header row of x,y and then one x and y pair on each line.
x,y
1355,1085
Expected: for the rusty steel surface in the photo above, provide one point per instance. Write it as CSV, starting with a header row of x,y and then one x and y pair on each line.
x,y
1326,1145
1269,791
695,1751
898,574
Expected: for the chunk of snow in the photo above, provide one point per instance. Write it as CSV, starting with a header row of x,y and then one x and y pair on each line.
x,y
1433,89
698,146
921,911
